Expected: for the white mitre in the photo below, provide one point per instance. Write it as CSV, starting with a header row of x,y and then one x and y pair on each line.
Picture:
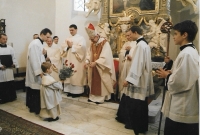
x,y
90,30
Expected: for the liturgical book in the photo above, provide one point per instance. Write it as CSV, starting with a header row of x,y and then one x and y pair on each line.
x,y
6,60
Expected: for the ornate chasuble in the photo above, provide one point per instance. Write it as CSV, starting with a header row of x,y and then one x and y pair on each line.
x,y
96,79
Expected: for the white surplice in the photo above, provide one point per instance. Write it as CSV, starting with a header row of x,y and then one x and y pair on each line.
x,y
50,96
140,73
75,55
7,74
124,64
181,102
35,58
53,53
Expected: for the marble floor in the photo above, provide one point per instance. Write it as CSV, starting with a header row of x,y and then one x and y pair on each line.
x,y
78,117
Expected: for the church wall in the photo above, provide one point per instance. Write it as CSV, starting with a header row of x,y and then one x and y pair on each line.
x,y
25,18
65,16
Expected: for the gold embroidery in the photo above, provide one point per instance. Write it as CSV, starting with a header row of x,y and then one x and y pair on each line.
x,y
77,57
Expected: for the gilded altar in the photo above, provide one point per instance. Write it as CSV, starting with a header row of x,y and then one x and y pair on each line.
x,y
150,15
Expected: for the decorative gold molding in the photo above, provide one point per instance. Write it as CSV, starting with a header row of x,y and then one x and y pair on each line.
x,y
138,17
136,9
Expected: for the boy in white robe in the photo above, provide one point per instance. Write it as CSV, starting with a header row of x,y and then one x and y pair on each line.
x,y
181,104
133,108
50,94
7,90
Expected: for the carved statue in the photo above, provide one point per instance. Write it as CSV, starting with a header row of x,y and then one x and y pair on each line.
x,y
121,26
157,38
152,34
124,27
103,30
192,2
121,36
93,5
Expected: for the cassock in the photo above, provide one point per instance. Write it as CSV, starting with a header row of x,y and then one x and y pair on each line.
x,y
53,53
75,55
35,58
124,64
133,108
181,104
50,96
101,78
7,90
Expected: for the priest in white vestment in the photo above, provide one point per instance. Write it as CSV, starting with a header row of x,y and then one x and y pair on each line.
x,y
8,61
56,45
50,94
35,58
101,72
133,108
75,50
54,56
55,40
125,59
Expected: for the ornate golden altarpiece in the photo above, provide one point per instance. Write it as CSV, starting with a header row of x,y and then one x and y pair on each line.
x,y
128,12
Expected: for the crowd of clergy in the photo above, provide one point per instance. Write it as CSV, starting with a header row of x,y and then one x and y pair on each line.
x,y
95,68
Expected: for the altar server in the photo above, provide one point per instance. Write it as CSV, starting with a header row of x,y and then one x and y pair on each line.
x,y
35,58
8,61
50,94
133,108
75,49
101,71
181,104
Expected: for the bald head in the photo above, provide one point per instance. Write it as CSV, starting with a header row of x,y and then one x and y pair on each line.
x,y
49,41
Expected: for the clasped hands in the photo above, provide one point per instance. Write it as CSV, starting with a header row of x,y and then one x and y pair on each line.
x,y
162,73
91,64
69,43
4,67
128,48
44,52
125,84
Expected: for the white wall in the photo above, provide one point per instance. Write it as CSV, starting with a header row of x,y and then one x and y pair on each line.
x,y
65,16
25,18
